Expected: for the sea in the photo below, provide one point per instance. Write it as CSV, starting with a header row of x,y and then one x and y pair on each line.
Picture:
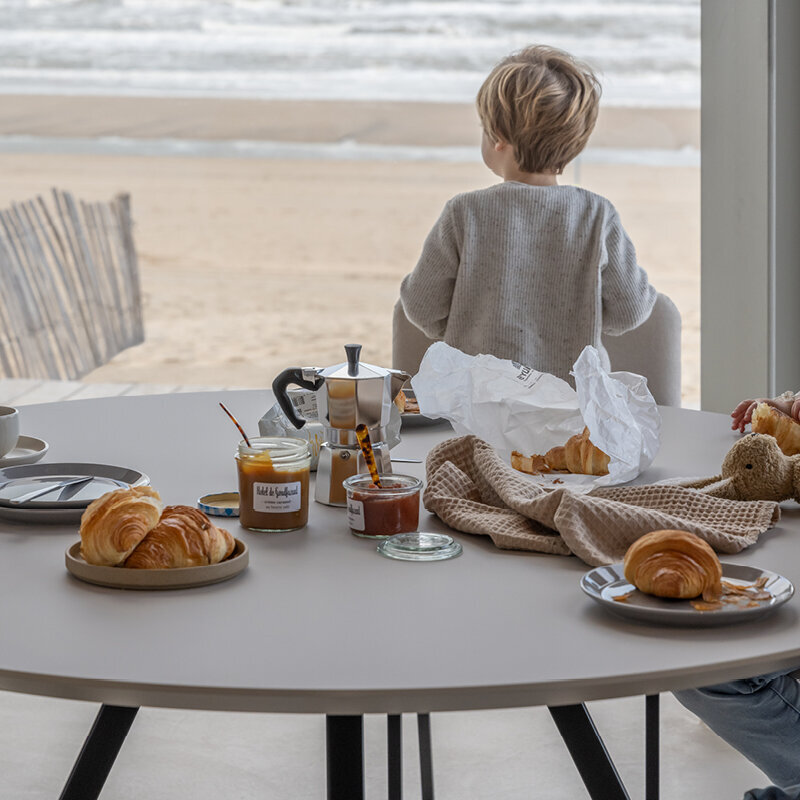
x,y
646,52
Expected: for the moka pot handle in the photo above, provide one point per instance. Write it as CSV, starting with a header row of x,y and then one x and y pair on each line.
x,y
293,375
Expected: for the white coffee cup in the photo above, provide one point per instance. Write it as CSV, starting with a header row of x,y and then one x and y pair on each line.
x,y
9,429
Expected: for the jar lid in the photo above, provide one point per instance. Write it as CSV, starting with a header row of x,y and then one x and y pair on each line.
x,y
223,504
420,546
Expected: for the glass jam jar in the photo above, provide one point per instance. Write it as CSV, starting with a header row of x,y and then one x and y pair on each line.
x,y
273,483
376,513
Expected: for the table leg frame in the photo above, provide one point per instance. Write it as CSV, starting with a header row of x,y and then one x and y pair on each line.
x,y
651,747
589,753
425,756
344,737
99,751
394,748
345,753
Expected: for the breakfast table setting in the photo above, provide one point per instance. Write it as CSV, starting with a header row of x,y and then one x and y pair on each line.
x,y
355,540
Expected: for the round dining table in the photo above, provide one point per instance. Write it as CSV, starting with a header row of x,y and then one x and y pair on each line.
x,y
320,622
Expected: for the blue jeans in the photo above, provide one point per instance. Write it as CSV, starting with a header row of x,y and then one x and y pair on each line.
x,y
760,717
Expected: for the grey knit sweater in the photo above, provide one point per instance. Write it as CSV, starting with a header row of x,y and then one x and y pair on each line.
x,y
528,273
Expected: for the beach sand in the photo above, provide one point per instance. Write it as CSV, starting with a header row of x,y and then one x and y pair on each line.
x,y
250,265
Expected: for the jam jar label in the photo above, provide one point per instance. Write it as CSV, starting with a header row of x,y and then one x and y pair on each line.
x,y
276,498
355,515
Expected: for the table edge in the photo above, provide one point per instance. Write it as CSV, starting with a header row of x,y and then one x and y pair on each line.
x,y
385,701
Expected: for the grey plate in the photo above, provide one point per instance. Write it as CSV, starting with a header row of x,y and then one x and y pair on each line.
x,y
604,583
28,477
179,578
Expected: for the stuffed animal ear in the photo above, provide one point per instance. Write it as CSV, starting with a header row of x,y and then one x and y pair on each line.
x,y
720,487
716,486
690,483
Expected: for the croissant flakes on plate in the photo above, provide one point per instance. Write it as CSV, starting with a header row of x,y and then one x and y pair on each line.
x,y
184,537
115,523
767,419
675,564
577,455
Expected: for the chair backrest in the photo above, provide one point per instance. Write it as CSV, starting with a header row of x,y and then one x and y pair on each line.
x,y
71,298
653,349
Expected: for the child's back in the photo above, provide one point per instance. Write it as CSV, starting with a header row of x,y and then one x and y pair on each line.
x,y
529,270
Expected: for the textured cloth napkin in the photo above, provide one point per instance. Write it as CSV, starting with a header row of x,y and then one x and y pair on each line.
x,y
472,490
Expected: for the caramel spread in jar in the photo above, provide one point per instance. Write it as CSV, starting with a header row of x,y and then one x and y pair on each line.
x,y
273,483
376,513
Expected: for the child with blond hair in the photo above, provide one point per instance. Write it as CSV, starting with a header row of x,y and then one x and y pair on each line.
x,y
529,270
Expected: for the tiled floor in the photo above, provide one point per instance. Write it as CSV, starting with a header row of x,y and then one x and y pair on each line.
x,y
487,755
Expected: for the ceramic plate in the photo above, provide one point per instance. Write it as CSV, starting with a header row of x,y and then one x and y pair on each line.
x,y
181,578
28,450
49,511
602,584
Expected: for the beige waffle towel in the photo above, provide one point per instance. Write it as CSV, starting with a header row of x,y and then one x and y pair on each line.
x,y
472,490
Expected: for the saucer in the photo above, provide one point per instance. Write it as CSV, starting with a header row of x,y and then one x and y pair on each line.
x,y
28,450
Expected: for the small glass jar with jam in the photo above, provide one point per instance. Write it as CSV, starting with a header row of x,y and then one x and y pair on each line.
x,y
273,483
377,512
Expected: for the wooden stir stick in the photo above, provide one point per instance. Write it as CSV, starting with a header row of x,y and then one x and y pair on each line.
x,y
362,434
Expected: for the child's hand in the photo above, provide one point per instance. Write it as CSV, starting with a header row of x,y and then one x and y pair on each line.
x,y
743,413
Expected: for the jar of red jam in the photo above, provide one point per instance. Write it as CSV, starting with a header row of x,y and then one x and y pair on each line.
x,y
376,513
273,483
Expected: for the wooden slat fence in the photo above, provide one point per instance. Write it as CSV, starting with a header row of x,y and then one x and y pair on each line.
x,y
69,286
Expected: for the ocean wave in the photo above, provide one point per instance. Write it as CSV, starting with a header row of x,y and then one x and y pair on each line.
x,y
165,46
345,150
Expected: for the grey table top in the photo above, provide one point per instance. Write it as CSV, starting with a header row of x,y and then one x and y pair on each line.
x,y
319,622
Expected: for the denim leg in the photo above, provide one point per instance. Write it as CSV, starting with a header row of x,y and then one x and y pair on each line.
x,y
774,793
760,717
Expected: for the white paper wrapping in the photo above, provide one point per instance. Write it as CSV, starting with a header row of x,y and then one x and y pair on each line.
x,y
513,407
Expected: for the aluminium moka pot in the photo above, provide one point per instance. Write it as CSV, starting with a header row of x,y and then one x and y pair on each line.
x,y
348,395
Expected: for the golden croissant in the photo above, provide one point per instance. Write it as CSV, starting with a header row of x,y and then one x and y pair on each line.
x,y
113,524
184,537
786,430
675,564
578,455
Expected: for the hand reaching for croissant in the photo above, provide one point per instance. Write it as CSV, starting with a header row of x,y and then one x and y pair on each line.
x,y
743,413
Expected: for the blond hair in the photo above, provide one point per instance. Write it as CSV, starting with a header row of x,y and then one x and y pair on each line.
x,y
544,103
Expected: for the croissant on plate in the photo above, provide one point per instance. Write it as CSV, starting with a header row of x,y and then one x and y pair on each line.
x,y
578,455
184,537
786,430
675,564
113,524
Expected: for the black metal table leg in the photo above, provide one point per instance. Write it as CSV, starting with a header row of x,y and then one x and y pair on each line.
x,y
89,773
651,746
425,755
394,746
345,756
588,752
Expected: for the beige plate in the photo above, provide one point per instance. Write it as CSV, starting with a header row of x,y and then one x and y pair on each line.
x,y
180,578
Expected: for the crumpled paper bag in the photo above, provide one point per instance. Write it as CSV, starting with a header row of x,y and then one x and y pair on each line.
x,y
514,407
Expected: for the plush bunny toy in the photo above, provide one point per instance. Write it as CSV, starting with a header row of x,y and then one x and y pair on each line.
x,y
755,469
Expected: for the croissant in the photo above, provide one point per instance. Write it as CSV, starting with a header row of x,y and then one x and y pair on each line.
x,y
767,419
674,564
578,455
113,524
184,537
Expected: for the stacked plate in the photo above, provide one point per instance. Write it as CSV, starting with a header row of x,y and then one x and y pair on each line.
x,y
59,493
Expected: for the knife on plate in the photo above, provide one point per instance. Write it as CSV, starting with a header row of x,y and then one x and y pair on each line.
x,y
71,483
